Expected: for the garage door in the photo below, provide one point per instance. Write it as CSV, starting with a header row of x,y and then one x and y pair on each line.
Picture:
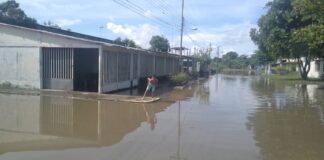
x,y
57,68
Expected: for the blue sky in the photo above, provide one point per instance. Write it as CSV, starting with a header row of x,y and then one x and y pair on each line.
x,y
224,23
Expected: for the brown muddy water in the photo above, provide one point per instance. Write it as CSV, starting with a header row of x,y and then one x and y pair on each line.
x,y
222,118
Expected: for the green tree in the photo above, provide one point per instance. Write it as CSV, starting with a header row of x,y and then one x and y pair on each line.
x,y
308,39
159,43
258,59
126,42
11,13
52,24
233,60
230,55
204,57
287,31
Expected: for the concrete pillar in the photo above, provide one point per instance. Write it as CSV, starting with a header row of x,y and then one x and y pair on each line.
x,y
117,67
154,61
131,66
100,62
139,56
165,65
41,69
131,70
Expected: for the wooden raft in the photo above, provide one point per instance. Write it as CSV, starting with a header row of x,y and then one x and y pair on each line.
x,y
139,100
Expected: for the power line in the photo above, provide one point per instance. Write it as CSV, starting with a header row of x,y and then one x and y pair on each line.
x,y
142,12
193,41
160,6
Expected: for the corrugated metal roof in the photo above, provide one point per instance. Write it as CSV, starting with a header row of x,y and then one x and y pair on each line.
x,y
59,31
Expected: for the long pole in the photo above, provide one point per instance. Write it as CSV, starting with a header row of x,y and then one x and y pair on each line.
x,y
182,19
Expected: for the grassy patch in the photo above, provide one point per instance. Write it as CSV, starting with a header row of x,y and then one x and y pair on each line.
x,y
294,78
290,76
179,79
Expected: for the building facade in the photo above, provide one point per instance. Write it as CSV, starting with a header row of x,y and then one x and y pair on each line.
x,y
317,69
57,59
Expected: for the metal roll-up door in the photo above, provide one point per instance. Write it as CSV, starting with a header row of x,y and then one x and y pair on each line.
x,y
57,68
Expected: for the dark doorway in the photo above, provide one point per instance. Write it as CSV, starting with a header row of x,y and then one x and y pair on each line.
x,y
86,70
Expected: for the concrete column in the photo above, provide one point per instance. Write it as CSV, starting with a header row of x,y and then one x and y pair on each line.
x,y
100,62
117,67
131,71
154,61
139,56
131,66
41,69
165,66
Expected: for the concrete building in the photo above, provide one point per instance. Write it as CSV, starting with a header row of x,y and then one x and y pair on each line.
x,y
189,63
49,58
316,66
317,69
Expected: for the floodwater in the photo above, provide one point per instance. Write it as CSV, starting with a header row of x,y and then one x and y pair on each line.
x,y
225,117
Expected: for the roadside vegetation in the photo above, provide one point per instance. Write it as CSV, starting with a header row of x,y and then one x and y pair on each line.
x,y
179,79
232,61
291,29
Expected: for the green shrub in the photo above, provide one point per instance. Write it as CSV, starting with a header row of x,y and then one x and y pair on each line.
x,y
179,79
285,69
193,75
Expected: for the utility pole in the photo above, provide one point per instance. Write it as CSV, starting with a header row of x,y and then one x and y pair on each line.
x,y
182,21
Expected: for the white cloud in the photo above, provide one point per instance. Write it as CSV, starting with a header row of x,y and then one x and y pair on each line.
x,y
67,22
141,34
148,13
233,37
111,18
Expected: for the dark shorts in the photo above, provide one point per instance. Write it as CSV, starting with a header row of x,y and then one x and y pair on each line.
x,y
151,87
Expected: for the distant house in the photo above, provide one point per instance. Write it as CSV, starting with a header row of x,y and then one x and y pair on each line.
x,y
317,69
189,63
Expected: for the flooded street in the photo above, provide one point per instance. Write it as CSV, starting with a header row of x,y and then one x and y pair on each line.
x,y
226,117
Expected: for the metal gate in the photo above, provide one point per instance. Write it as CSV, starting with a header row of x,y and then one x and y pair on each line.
x,y
57,68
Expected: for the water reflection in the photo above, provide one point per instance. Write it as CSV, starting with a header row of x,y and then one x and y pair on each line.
x,y
202,92
178,155
79,122
49,122
150,115
246,118
288,124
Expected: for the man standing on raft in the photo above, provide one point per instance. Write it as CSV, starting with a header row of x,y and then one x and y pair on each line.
x,y
152,81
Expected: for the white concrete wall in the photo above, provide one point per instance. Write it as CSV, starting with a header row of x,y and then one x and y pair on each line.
x,y
20,56
312,73
20,53
316,74
20,66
